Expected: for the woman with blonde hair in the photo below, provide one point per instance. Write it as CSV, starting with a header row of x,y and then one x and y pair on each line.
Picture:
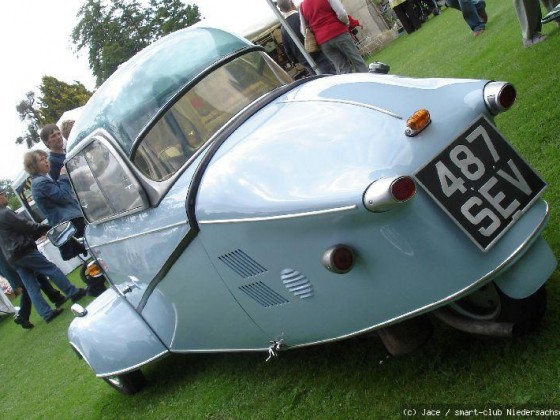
x,y
55,199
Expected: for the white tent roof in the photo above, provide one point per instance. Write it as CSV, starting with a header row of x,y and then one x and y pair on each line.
x,y
71,114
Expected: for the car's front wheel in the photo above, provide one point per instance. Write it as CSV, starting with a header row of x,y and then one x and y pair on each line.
x,y
490,304
127,383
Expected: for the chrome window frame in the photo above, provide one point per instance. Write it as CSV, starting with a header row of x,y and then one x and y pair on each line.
x,y
103,138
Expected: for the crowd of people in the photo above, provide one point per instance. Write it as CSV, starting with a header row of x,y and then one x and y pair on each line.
x,y
332,27
27,270
528,13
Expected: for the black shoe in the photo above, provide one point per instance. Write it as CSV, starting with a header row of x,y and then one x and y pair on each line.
x,y
60,302
78,295
482,13
23,322
55,312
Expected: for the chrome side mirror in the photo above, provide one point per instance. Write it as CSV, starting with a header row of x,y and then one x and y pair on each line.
x,y
61,233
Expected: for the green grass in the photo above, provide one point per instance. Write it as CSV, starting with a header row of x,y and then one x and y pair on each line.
x,y
40,377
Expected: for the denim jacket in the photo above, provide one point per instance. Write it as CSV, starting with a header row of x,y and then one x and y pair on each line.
x,y
55,199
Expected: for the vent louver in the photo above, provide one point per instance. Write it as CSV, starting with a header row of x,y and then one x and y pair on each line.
x,y
263,294
242,264
297,283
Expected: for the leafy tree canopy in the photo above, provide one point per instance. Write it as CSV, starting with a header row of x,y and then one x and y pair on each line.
x,y
113,31
56,98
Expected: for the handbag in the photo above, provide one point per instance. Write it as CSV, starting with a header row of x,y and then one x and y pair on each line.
x,y
309,42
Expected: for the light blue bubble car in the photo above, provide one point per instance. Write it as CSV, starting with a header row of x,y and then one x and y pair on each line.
x,y
234,209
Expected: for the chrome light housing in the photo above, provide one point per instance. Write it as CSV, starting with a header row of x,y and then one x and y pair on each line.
x,y
339,259
385,193
499,96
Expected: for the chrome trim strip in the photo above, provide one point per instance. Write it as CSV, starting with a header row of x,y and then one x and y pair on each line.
x,y
282,216
218,350
342,101
136,366
137,235
435,305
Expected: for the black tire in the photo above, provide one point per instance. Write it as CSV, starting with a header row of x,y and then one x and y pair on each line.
x,y
489,303
525,314
127,383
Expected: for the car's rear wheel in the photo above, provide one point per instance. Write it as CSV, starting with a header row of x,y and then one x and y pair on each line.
x,y
490,304
127,383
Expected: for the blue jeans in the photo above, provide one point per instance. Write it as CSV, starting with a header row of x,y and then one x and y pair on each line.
x,y
34,263
470,8
344,54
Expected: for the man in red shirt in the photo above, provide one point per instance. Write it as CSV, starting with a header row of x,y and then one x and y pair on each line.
x,y
329,22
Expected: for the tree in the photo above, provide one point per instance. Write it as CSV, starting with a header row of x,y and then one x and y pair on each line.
x,y
112,32
29,112
168,16
56,98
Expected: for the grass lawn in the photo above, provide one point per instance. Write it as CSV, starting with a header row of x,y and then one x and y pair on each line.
x,y
40,377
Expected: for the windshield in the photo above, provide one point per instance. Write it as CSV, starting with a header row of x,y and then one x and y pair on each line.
x,y
133,95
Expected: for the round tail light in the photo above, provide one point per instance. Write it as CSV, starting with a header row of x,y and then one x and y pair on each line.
x,y
499,96
507,96
338,259
385,194
403,188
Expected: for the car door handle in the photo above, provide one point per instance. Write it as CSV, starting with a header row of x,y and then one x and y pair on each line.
x,y
128,288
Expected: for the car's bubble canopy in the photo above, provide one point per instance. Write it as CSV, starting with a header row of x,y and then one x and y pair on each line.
x,y
133,95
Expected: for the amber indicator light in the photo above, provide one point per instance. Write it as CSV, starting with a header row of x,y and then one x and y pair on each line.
x,y
417,122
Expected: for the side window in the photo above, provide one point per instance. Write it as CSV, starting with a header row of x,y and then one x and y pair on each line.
x,y
203,110
104,186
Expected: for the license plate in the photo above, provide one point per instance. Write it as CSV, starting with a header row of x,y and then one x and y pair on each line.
x,y
481,182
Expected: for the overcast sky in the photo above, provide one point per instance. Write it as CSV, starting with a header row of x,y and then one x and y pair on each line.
x,y
35,42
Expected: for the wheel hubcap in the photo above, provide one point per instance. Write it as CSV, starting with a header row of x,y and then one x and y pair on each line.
x,y
483,305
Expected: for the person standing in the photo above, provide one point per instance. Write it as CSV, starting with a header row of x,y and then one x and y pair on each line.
x,y
290,47
53,139
529,15
65,129
55,199
6,271
474,13
407,16
17,240
328,21
10,274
